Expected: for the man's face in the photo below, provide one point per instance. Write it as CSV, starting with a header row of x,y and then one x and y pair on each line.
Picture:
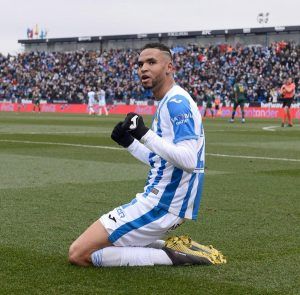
x,y
153,67
289,81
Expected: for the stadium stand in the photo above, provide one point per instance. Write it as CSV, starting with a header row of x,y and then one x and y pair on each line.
x,y
66,75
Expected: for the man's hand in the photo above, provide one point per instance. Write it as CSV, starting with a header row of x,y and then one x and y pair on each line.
x,y
121,136
134,123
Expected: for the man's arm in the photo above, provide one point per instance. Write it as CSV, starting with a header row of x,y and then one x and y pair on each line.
x,y
124,138
139,151
182,155
235,91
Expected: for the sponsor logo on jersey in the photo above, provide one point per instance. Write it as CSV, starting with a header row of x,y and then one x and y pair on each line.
x,y
175,100
181,119
155,191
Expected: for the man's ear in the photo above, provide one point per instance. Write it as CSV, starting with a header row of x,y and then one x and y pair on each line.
x,y
169,69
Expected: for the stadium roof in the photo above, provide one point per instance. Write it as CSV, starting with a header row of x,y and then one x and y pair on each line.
x,y
183,34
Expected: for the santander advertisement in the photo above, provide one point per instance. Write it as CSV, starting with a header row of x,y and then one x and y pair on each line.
x,y
250,112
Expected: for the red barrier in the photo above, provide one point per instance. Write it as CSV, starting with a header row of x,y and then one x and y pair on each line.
x,y
250,112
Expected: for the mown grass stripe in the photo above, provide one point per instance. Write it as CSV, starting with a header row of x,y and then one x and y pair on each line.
x,y
62,144
56,132
121,149
253,157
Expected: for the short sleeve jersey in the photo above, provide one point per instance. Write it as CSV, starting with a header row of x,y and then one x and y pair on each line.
x,y
91,97
240,91
209,98
101,97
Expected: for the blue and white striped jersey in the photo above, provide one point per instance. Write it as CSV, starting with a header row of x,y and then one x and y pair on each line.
x,y
177,119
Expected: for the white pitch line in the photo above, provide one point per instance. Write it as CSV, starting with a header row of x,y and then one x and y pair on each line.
x,y
254,157
58,132
62,144
270,128
122,149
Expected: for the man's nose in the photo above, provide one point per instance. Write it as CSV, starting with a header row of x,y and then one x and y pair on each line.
x,y
144,68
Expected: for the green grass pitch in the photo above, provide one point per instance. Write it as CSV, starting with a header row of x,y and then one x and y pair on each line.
x,y
58,175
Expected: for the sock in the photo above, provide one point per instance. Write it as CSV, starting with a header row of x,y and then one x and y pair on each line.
x,y
284,117
232,116
130,256
289,117
157,244
243,114
106,111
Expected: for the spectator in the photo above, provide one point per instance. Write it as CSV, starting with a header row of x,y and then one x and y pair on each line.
x,y
287,92
66,76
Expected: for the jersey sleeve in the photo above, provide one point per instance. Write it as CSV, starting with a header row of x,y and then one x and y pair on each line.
x,y
139,151
181,118
182,155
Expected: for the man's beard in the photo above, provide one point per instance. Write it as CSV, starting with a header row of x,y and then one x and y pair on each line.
x,y
148,87
153,84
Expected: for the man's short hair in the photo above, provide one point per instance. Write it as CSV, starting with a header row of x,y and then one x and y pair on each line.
x,y
159,46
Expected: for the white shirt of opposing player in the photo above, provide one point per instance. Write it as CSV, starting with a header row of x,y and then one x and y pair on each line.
x,y
91,97
177,120
101,97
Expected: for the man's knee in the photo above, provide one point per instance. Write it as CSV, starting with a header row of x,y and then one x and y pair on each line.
x,y
77,256
94,238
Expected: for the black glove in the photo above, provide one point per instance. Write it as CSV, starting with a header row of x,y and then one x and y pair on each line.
x,y
134,123
121,136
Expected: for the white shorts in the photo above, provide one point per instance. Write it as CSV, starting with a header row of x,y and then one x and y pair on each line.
x,y
135,224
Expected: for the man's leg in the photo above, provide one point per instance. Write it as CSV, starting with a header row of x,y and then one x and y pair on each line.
x,y
92,111
128,226
243,113
94,238
94,248
233,113
130,256
289,117
105,110
158,244
283,119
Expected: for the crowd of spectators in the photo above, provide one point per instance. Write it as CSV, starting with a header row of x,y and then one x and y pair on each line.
x,y
66,76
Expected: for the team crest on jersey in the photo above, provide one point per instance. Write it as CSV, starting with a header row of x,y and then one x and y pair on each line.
x,y
241,88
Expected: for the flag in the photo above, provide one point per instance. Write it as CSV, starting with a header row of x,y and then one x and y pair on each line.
x,y
28,32
36,32
42,34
